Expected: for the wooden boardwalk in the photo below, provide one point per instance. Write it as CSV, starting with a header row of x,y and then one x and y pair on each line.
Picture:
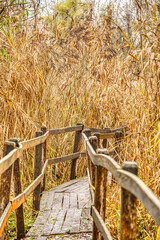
x,y
64,213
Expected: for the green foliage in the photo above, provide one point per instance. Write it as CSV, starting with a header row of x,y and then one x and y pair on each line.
x,y
69,11
66,8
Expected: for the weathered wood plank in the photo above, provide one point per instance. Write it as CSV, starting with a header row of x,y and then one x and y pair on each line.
x,y
73,200
107,130
60,213
41,220
65,130
100,159
50,201
100,224
57,229
66,158
4,217
68,220
86,221
76,221
57,201
35,141
138,188
9,159
66,199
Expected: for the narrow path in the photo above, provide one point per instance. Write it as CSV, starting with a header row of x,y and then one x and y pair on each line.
x,y
64,213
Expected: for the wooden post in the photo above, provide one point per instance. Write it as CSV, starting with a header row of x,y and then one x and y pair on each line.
x,y
37,172
5,187
76,148
100,190
44,130
18,190
87,132
117,142
128,207
94,142
103,191
98,180
108,130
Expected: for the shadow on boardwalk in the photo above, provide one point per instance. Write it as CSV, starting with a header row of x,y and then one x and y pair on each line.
x,y
64,213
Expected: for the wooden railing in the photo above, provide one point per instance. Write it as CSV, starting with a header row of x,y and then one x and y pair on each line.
x,y
98,165
132,187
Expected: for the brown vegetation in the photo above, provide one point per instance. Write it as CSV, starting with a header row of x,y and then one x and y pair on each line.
x,y
59,76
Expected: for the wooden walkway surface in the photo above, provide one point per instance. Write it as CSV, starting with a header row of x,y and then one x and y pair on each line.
x,y
64,213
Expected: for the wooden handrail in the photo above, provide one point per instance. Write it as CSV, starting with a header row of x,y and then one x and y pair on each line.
x,y
35,141
138,188
9,159
66,158
65,130
100,224
107,130
21,198
125,179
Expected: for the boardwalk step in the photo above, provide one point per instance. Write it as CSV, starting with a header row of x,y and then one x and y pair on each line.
x,y
64,209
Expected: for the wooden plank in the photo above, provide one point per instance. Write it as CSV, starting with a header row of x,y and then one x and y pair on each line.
x,y
100,159
91,187
107,130
50,201
86,221
4,217
138,188
41,219
107,162
57,201
73,200
43,202
83,201
65,184
65,201
35,141
65,130
52,218
66,158
68,221
59,223
17,201
9,159
100,224
76,221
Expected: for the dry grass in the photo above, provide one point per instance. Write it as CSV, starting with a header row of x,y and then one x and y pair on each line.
x,y
56,79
